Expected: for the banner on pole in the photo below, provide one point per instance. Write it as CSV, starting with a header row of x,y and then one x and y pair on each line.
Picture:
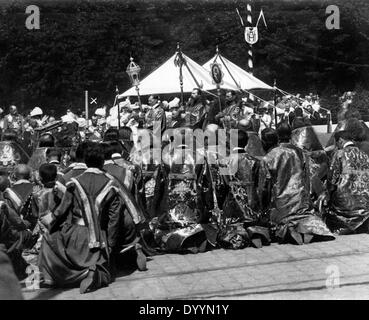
x,y
251,35
216,73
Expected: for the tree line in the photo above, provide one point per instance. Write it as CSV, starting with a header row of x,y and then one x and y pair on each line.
x,y
86,45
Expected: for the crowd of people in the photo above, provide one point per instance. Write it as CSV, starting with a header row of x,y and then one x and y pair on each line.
x,y
112,203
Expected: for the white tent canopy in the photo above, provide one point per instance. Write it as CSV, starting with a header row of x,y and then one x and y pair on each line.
x,y
234,74
165,79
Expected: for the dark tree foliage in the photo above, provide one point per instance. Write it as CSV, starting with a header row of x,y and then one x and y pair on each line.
x,y
86,45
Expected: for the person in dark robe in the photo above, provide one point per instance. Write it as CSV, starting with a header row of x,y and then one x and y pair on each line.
x,y
78,166
284,190
94,221
195,111
19,196
124,171
299,119
15,236
10,288
241,210
348,186
269,139
54,156
125,137
176,120
155,115
49,197
232,114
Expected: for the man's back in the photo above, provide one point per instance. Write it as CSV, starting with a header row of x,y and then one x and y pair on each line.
x,y
288,169
122,174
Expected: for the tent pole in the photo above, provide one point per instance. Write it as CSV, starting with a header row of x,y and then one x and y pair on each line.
x,y
180,62
220,104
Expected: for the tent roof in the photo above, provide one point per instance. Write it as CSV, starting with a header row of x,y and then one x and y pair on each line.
x,y
244,79
165,79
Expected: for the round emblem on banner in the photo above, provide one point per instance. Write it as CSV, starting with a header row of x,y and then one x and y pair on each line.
x,y
216,73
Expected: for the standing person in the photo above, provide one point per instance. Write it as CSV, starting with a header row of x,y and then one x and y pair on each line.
x,y
195,111
156,113
93,221
232,114
284,188
14,121
265,118
348,184
176,120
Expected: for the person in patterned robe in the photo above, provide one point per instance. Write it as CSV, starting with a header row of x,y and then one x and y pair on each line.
x,y
232,114
14,121
243,225
306,139
195,111
284,188
182,218
348,185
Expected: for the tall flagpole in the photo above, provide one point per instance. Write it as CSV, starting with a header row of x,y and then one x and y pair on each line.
x,y
250,60
249,52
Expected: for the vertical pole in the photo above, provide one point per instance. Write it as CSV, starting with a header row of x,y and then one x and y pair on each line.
x,y
180,70
117,103
138,96
86,106
220,103
249,52
275,103
329,122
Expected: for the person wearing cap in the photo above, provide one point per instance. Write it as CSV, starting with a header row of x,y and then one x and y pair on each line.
x,y
175,120
348,184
